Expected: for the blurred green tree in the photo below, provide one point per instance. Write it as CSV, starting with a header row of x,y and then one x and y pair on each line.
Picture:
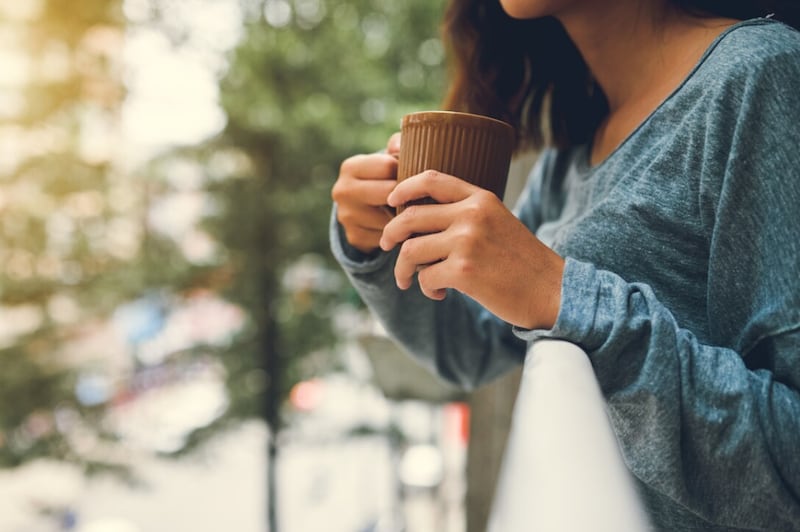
x,y
310,83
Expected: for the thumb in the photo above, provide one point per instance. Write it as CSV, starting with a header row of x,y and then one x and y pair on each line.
x,y
393,146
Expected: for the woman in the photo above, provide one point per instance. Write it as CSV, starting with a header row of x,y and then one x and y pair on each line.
x,y
659,231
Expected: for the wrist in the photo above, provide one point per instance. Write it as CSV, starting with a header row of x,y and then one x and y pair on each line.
x,y
546,302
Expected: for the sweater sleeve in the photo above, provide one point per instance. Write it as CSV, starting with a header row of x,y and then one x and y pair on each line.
x,y
456,338
714,425
694,422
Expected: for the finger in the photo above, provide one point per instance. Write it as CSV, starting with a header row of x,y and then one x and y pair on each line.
x,y
415,220
432,280
371,192
393,146
417,253
352,190
374,218
371,166
365,240
364,217
442,187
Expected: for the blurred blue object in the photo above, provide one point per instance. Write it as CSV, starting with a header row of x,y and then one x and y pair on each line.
x,y
142,319
93,389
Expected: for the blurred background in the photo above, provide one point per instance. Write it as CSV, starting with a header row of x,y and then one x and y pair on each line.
x,y
178,349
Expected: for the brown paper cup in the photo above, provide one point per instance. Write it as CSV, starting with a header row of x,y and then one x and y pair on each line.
x,y
472,147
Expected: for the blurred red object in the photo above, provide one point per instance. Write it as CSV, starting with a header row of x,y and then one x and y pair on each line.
x,y
456,419
306,395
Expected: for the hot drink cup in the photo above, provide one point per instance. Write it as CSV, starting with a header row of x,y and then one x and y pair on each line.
x,y
472,147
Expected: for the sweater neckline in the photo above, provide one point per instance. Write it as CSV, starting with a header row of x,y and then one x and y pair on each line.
x,y
583,152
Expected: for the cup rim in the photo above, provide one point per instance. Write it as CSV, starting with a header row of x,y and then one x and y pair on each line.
x,y
421,116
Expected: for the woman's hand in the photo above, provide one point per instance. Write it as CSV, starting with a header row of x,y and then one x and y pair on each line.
x,y
360,193
471,242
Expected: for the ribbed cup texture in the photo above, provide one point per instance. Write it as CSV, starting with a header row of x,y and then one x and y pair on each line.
x,y
474,148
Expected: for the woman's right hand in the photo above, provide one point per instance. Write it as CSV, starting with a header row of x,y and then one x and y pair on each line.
x,y
360,193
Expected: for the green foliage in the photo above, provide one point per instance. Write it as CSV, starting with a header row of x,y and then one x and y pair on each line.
x,y
310,84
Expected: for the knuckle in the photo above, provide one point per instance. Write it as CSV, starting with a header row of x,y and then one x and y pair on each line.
x,y
431,176
484,197
345,216
350,165
407,249
463,267
410,213
468,241
467,231
475,211
339,190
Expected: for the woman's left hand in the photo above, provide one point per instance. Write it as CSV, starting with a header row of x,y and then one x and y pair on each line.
x,y
471,242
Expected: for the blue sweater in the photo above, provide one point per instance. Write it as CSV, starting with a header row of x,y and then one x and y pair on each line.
x,y
682,283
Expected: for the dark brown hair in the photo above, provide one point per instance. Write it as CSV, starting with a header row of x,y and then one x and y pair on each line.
x,y
530,74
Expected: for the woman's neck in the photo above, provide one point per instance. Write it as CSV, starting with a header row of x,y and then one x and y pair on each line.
x,y
639,52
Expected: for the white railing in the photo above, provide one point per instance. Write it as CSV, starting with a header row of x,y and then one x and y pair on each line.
x,y
562,470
